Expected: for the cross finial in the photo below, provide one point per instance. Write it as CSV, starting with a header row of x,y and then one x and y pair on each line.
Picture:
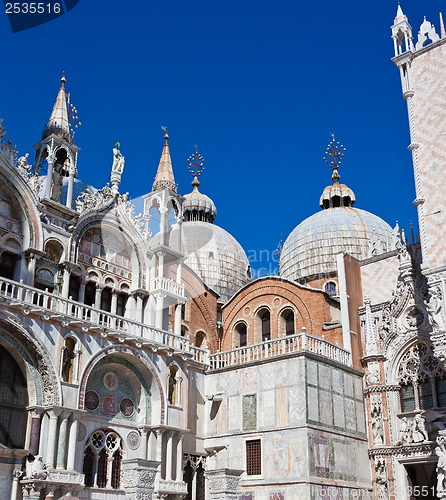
x,y
195,166
165,135
333,156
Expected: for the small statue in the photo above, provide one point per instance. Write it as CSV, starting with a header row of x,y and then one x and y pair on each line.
x,y
377,428
405,432
419,433
435,309
440,451
118,160
22,165
36,469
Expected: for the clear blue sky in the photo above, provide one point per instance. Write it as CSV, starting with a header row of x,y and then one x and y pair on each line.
x,y
258,85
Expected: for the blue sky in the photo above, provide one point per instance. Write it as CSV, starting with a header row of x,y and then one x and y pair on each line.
x,y
257,85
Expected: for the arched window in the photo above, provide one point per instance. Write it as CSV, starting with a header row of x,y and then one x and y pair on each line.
x,y
289,322
201,340
68,357
121,303
173,384
106,297
13,402
330,288
265,318
421,378
240,337
102,459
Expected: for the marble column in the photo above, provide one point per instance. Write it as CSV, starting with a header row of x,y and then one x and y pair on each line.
x,y
62,442
81,296
138,309
169,457
66,282
31,269
72,438
49,177
177,323
70,187
35,431
159,297
159,450
160,263
43,434
98,296
16,475
51,437
179,475
114,301
143,446
151,452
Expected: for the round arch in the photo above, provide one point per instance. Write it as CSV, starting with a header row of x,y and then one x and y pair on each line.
x,y
143,364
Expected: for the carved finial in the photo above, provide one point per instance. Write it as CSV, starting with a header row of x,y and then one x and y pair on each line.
x,y
279,248
333,156
195,166
166,136
63,79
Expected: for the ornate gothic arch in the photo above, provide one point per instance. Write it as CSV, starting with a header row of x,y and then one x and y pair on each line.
x,y
40,373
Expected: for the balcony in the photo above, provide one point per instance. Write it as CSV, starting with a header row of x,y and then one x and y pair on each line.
x,y
69,313
167,286
285,346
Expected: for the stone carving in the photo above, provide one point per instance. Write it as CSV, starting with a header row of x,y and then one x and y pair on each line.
x,y
35,468
381,478
372,377
22,165
133,440
89,200
413,430
81,431
427,30
138,478
440,451
377,419
414,317
436,309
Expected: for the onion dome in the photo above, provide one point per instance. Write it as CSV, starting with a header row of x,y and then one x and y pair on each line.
x,y
311,248
214,254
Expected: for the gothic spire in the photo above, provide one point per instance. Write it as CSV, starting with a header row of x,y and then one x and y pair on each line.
x,y
164,175
58,122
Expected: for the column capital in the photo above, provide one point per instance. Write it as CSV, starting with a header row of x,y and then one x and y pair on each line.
x,y
36,411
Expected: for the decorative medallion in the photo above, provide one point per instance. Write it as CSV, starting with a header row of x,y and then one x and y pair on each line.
x,y
109,405
110,381
81,431
276,301
246,310
127,407
133,440
91,400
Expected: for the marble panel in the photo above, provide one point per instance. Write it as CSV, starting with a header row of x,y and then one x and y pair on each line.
x,y
297,405
311,372
325,407
313,404
338,410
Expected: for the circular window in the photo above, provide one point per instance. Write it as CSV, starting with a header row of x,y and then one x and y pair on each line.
x,y
127,407
91,400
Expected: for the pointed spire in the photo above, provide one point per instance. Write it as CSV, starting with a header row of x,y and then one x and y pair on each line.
x,y
442,30
399,14
58,122
164,175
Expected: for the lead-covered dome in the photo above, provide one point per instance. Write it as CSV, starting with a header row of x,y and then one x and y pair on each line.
x,y
217,257
311,248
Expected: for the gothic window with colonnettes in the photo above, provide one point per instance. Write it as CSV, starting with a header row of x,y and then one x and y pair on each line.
x,y
102,459
422,379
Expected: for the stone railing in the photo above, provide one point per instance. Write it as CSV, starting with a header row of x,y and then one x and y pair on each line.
x,y
70,312
167,285
278,347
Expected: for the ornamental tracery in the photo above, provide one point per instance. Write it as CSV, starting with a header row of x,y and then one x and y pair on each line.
x,y
419,364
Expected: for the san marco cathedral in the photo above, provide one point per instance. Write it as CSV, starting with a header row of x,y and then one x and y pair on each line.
x,y
139,359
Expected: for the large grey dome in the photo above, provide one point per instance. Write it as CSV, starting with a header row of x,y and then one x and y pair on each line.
x,y
312,246
216,257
